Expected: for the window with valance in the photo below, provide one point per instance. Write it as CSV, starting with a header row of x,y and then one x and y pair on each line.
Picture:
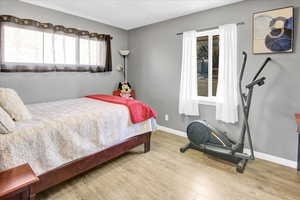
x,y
30,46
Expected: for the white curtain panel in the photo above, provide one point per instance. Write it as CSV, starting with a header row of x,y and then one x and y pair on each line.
x,y
188,84
227,98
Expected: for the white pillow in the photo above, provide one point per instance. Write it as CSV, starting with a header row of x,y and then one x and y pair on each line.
x,y
13,105
7,125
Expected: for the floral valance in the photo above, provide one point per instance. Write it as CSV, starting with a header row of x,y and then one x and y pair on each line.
x,y
56,28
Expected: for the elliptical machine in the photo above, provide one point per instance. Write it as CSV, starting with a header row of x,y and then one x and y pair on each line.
x,y
208,139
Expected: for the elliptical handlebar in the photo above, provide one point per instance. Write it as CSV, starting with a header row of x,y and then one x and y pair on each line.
x,y
262,68
243,68
258,82
254,82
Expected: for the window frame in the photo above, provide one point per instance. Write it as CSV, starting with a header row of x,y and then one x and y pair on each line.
x,y
209,100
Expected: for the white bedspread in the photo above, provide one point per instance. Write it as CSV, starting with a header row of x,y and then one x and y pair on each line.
x,y
66,130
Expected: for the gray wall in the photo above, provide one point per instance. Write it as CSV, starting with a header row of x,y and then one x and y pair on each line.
x,y
35,87
155,64
154,70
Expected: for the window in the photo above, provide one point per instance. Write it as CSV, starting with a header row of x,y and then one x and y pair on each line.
x,y
31,46
207,65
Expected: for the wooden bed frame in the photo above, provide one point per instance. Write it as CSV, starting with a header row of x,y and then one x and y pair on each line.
x,y
76,167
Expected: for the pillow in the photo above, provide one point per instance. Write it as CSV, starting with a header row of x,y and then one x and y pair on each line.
x,y
7,125
13,105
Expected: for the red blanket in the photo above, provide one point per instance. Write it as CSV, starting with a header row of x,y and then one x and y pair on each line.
x,y
139,111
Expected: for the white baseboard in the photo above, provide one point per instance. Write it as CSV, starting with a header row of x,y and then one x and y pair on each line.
x,y
173,131
274,159
264,156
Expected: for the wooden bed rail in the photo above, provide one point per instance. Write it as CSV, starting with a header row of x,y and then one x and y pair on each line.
x,y
76,167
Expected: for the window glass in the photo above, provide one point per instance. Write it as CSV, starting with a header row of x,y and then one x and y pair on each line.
x,y
202,65
48,48
70,50
65,49
84,51
23,45
59,49
94,52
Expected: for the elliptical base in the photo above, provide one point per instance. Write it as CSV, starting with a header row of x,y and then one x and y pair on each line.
x,y
240,162
189,146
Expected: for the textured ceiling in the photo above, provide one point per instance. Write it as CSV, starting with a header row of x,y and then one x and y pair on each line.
x,y
129,14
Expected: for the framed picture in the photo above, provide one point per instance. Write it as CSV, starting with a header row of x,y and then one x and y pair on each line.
x,y
273,31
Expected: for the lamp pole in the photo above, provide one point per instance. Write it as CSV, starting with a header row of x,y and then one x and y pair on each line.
x,y
124,67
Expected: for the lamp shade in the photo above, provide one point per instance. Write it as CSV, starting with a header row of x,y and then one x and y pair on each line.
x,y
124,52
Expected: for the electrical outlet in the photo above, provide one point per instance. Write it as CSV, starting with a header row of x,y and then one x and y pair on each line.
x,y
166,117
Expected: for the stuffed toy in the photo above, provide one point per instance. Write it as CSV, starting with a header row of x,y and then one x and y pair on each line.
x,y
125,89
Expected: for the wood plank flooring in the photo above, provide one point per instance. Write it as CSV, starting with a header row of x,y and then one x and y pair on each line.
x,y
166,174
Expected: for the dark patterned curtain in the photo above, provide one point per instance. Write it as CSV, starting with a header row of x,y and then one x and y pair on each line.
x,y
95,58
108,64
1,46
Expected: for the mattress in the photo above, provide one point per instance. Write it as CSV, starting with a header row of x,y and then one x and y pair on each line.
x,y
62,131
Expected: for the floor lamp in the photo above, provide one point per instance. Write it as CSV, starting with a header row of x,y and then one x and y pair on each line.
x,y
124,53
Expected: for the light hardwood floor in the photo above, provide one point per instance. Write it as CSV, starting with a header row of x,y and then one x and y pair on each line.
x,y
166,174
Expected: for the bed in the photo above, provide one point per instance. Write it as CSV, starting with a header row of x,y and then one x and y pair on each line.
x,y
66,138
